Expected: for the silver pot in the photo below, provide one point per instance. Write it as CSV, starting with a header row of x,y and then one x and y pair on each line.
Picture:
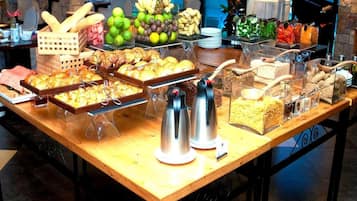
x,y
203,117
175,127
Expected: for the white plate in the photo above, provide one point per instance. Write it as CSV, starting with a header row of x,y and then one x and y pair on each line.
x,y
204,145
175,160
18,99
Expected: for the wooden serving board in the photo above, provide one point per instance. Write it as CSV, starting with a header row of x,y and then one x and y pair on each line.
x,y
44,92
158,79
92,107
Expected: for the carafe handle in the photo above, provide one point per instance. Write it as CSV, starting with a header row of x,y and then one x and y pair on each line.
x,y
177,109
209,100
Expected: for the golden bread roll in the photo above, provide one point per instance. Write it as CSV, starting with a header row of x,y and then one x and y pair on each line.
x,y
170,59
185,65
147,75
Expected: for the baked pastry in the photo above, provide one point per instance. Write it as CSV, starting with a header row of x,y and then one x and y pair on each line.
x,y
97,94
63,78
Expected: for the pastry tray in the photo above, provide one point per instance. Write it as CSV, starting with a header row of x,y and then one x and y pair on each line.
x,y
101,68
52,91
156,80
123,100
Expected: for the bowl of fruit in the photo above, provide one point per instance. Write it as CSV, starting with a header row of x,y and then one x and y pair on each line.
x,y
119,29
155,23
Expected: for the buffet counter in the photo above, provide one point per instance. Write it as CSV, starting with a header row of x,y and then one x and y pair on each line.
x,y
129,157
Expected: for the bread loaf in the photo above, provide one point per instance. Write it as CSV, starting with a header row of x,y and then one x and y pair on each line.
x,y
88,21
51,21
72,21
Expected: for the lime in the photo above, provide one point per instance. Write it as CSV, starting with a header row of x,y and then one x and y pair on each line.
x,y
141,30
170,16
148,18
137,23
173,36
118,12
167,16
159,17
110,21
141,16
126,23
118,21
119,40
108,39
163,37
127,35
154,38
113,31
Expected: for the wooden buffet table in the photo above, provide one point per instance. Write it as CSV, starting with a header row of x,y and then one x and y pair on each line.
x,y
129,158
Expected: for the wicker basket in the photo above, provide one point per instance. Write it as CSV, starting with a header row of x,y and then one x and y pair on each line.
x,y
48,64
50,43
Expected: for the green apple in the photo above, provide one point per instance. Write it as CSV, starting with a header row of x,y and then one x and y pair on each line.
x,y
119,40
148,18
113,31
136,23
163,37
141,30
126,23
110,21
159,17
108,39
118,21
141,16
118,12
173,36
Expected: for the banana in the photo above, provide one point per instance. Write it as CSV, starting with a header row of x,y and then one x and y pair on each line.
x,y
189,21
139,7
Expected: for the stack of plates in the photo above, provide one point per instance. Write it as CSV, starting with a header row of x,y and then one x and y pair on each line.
x,y
212,42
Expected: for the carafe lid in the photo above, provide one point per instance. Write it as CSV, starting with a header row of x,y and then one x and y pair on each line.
x,y
176,94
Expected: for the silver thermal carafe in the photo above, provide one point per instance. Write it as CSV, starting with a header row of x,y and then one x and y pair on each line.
x,y
175,127
203,117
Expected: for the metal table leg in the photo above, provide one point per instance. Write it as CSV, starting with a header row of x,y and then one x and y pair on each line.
x,y
338,155
261,189
76,177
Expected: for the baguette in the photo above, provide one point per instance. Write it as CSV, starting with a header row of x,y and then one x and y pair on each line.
x,y
88,21
71,21
51,21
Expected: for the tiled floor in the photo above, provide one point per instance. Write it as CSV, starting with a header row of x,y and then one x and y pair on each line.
x,y
29,177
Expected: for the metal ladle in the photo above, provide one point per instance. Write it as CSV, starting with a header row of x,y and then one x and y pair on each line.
x,y
220,67
257,94
272,59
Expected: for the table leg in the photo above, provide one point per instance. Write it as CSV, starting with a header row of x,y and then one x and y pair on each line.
x,y
261,189
1,198
75,177
267,174
338,155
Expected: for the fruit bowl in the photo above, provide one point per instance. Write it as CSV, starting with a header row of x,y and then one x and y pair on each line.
x,y
156,29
